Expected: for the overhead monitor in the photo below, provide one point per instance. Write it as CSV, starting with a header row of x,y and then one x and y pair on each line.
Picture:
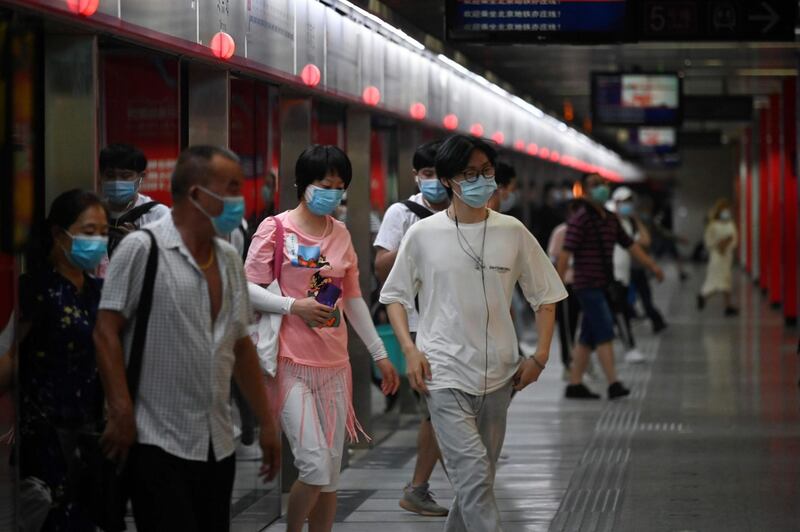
x,y
537,21
636,99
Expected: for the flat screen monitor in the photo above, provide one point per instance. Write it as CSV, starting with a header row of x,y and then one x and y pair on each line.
x,y
636,99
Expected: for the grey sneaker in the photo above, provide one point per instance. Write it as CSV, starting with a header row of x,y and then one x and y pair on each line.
x,y
419,500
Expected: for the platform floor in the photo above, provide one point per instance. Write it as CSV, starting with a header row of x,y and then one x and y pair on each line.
x,y
708,441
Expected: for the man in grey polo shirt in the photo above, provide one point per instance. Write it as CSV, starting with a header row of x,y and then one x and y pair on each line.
x,y
180,434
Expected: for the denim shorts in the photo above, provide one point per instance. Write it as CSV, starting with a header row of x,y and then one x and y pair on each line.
x,y
597,325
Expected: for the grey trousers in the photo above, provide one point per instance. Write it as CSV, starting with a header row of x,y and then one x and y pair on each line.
x,y
470,431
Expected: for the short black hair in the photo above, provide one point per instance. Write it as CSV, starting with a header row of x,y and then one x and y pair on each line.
x,y
317,161
504,174
194,168
585,177
454,153
425,155
122,157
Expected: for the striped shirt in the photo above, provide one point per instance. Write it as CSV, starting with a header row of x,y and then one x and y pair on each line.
x,y
591,238
183,403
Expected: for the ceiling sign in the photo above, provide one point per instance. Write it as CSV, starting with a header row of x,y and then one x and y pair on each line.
x,y
718,20
537,20
597,21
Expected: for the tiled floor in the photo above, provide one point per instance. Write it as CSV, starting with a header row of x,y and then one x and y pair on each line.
x,y
709,440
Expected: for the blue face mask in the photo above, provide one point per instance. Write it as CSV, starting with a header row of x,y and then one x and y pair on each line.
x,y
87,251
625,209
432,190
600,194
322,201
231,216
477,194
120,191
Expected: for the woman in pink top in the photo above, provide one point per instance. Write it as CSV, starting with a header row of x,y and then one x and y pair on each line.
x,y
319,282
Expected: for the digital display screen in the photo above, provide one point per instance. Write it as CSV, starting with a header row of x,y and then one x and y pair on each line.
x,y
537,20
636,99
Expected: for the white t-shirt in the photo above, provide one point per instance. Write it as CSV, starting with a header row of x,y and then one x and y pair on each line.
x,y
452,331
396,222
622,257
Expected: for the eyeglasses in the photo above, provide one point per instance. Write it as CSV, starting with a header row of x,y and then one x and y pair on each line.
x,y
125,175
470,176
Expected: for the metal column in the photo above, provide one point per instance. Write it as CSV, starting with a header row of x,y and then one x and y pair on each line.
x,y
408,138
70,113
358,128
209,100
295,130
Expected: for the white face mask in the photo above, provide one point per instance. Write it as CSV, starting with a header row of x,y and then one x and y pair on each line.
x,y
725,215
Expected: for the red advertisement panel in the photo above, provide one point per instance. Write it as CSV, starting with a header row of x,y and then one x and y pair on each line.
x,y
141,107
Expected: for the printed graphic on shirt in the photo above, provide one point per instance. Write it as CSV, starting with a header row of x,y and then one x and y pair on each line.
x,y
499,269
320,284
304,256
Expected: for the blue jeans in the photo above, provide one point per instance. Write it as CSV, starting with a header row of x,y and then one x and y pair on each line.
x,y
597,326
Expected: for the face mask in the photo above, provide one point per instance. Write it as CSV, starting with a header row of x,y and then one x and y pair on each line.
x,y
87,251
600,194
510,202
625,209
725,215
478,193
266,194
120,191
231,216
432,190
322,201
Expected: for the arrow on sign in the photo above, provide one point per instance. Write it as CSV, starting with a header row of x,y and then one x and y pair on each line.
x,y
768,15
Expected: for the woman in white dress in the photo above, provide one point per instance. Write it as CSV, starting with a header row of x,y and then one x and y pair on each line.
x,y
721,239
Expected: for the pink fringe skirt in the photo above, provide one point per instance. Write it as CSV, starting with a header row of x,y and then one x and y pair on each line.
x,y
329,386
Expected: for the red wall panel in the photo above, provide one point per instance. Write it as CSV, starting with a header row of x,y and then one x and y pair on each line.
x,y
763,189
790,236
775,213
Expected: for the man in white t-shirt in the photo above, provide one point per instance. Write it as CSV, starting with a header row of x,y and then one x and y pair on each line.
x,y
396,222
462,265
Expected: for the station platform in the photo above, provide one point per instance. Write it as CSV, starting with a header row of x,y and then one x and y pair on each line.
x,y
709,440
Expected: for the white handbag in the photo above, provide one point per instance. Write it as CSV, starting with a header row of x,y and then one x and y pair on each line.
x,y
266,330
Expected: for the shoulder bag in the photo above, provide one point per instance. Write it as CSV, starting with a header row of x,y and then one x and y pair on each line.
x,y
267,327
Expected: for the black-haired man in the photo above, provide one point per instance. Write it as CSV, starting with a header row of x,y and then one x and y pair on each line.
x,y
398,219
122,169
463,264
180,433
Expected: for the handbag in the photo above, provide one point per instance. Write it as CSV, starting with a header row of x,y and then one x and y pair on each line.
x,y
265,331
105,483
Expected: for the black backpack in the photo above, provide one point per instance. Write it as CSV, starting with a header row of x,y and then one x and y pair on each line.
x,y
116,233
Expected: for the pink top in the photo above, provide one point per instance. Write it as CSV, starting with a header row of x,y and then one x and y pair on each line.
x,y
309,263
554,247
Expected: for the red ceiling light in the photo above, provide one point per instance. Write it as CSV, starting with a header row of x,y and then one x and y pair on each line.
x,y
450,121
476,129
222,45
417,111
85,8
519,145
311,75
371,95
544,153
498,137
555,156
533,149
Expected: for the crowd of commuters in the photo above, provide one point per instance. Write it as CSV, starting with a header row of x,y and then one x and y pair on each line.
x,y
136,322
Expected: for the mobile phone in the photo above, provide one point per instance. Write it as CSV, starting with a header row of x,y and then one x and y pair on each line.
x,y
329,294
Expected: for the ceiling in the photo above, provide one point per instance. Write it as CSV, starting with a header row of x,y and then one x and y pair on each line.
x,y
551,74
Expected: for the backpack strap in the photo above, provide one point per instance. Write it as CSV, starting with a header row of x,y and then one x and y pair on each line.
x,y
420,211
134,369
137,212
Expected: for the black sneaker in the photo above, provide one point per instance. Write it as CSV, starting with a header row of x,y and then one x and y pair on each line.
x,y
731,311
701,302
659,326
579,391
617,390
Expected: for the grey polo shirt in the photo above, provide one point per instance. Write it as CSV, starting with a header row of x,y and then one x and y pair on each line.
x,y
183,401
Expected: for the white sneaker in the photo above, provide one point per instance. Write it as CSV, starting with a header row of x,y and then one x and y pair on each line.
x,y
634,356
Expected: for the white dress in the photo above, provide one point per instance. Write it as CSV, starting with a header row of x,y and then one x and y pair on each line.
x,y
720,265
